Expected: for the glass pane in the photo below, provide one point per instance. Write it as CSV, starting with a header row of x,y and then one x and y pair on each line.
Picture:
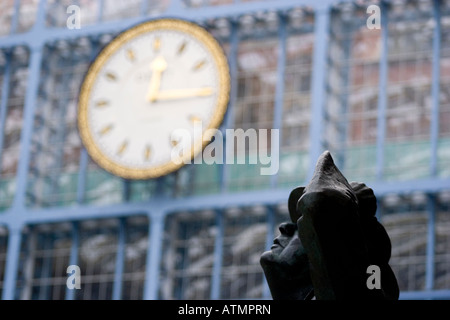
x,y
188,256
244,241
9,156
405,220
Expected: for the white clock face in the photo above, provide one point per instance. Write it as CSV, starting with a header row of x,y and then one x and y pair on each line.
x,y
160,77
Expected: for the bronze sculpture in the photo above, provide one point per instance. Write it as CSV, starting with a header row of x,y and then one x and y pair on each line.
x,y
333,238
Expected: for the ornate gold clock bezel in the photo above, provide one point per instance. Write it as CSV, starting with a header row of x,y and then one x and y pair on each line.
x,y
221,62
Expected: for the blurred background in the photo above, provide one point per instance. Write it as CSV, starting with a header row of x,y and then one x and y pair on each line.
x,y
378,99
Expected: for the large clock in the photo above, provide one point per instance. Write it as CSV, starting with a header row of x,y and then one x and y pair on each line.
x,y
151,80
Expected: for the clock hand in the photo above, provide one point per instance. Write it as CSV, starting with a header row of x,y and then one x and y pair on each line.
x,y
184,93
157,66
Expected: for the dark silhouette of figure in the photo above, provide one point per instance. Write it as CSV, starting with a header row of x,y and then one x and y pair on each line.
x,y
333,238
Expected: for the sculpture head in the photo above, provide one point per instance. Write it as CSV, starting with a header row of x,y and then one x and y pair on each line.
x,y
337,238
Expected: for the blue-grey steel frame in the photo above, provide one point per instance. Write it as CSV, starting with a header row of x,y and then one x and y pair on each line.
x,y
18,215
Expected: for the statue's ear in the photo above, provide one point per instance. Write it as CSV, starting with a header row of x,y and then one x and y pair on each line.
x,y
292,203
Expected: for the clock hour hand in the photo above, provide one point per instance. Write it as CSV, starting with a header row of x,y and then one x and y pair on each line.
x,y
157,66
184,93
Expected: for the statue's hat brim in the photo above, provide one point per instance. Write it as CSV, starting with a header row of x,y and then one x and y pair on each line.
x,y
294,196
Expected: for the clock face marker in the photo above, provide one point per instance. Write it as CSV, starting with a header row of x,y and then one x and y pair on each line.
x,y
101,103
199,65
156,44
106,129
130,55
122,148
194,119
181,48
111,76
174,142
147,153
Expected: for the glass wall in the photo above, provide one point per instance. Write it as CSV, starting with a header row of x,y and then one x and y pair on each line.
x,y
198,233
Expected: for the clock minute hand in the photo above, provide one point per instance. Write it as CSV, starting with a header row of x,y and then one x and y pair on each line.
x,y
157,66
184,93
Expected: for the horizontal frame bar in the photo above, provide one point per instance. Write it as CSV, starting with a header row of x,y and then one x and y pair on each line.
x,y
42,35
217,201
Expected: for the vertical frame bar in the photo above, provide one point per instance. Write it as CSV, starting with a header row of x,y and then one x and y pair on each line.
x,y
152,268
120,258
435,88
4,102
46,270
229,117
73,260
218,255
174,7
279,90
101,6
126,184
40,15
321,34
27,131
271,211
12,262
15,228
434,140
29,264
82,172
144,8
431,242
15,17
343,123
382,92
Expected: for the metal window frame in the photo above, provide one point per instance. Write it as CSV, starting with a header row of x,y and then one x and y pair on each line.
x,y
18,215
